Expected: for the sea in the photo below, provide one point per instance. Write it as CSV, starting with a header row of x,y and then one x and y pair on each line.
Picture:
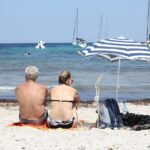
x,y
134,79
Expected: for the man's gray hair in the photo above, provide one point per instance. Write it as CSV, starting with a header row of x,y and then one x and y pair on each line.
x,y
31,73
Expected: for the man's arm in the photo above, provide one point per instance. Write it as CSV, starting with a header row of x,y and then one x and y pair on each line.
x,y
16,92
46,95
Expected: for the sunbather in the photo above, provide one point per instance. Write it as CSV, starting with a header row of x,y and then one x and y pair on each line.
x,y
63,103
31,99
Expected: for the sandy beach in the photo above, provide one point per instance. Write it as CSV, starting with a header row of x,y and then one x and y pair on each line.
x,y
83,138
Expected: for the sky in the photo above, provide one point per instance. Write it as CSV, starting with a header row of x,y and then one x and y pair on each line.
x,y
27,21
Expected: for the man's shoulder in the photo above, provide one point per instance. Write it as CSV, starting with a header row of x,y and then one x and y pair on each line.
x,y
42,85
20,85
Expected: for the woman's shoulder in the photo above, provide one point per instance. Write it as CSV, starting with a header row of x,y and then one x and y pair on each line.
x,y
53,87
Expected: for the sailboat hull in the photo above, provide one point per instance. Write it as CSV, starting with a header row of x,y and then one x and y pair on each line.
x,y
82,45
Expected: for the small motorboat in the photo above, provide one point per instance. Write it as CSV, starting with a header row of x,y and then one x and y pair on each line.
x,y
40,45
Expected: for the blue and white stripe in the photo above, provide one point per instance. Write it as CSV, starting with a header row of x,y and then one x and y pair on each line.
x,y
118,48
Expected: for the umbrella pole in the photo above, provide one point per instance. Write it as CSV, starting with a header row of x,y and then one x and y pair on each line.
x,y
99,78
118,76
97,97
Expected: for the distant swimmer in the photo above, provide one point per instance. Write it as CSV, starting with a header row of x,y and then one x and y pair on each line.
x,y
27,54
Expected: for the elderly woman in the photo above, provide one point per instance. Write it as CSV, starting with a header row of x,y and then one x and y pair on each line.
x,y
63,103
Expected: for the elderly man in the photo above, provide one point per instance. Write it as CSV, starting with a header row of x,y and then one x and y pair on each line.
x,y
31,99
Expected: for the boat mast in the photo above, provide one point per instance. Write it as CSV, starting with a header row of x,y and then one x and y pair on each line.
x,y
75,31
148,22
107,27
100,28
77,22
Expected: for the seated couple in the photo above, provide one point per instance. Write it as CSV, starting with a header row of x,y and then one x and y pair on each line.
x,y
31,98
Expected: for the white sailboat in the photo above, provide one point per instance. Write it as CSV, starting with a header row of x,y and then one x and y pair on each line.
x,y
40,45
77,41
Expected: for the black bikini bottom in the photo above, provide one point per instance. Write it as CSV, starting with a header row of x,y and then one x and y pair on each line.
x,y
52,123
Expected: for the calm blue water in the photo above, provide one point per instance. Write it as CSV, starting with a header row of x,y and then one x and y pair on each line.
x,y
134,76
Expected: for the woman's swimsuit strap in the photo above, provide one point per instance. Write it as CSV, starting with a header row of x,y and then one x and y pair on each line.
x,y
60,100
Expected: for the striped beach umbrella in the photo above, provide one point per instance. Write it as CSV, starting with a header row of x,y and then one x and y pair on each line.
x,y
118,48
114,49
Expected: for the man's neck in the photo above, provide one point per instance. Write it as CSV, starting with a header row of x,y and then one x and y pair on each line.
x,y
30,81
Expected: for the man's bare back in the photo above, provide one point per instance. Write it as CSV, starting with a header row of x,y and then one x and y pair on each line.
x,y
31,99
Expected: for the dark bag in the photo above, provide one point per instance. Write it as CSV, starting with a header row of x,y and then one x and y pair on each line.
x,y
109,114
136,121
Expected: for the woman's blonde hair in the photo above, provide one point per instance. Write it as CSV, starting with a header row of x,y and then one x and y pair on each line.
x,y
64,76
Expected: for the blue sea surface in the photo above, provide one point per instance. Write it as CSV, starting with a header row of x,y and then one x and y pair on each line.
x,y
134,75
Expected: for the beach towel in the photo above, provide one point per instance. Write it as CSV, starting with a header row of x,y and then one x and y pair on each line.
x,y
83,125
19,124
